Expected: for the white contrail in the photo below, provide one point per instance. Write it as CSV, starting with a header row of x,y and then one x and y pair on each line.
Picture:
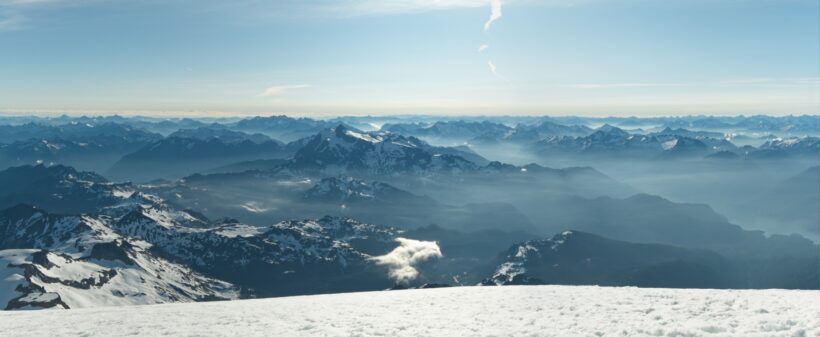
x,y
493,70
495,13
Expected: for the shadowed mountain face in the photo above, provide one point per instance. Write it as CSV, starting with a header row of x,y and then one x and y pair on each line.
x,y
218,131
195,151
792,202
342,150
574,257
646,218
382,203
58,188
348,189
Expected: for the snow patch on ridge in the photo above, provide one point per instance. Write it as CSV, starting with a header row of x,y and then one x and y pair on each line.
x,y
363,136
669,144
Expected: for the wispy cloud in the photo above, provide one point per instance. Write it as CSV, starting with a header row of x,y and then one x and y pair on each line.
x,y
13,3
625,85
776,82
492,67
40,3
494,70
10,21
277,90
14,14
749,82
495,13
381,7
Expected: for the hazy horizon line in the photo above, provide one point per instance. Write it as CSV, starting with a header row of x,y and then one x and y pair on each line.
x,y
244,115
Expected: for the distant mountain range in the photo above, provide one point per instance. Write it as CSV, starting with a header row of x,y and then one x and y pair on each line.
x,y
283,127
612,142
785,124
486,132
89,146
75,132
221,133
137,210
449,129
134,149
808,147
130,247
302,127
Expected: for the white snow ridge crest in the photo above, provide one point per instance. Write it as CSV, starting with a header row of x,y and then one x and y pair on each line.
x,y
402,260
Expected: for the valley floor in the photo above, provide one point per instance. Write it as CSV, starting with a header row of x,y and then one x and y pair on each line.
x,y
463,311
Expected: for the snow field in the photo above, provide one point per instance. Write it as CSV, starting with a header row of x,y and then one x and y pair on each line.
x,y
462,311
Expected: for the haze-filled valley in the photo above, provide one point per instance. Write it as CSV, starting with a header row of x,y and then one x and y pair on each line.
x,y
135,210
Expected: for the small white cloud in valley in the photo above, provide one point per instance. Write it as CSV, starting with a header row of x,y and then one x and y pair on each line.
x,y
483,47
402,260
277,90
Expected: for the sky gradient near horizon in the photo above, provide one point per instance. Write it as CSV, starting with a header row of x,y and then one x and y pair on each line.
x,y
476,57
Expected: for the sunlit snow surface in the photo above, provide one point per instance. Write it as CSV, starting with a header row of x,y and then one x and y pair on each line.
x,y
464,311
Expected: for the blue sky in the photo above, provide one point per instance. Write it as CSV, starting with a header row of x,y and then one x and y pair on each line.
x,y
323,57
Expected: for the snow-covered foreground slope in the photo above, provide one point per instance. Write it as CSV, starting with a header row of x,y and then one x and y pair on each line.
x,y
464,311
